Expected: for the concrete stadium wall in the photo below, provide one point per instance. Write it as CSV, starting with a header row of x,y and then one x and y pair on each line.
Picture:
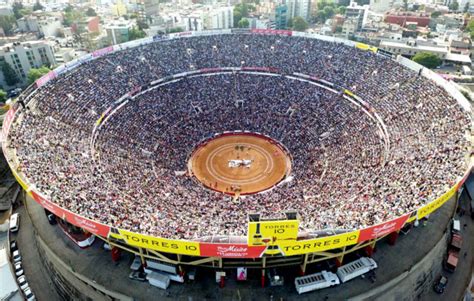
x,y
415,281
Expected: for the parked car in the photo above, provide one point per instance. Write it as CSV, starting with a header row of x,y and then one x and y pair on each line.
x,y
440,285
29,295
16,256
22,282
137,275
13,246
18,269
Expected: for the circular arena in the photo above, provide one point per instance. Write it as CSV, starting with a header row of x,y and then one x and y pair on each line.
x,y
193,138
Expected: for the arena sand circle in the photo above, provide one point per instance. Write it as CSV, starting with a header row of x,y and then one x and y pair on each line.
x,y
240,163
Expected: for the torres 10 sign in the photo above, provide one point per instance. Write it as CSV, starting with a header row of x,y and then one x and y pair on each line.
x,y
271,232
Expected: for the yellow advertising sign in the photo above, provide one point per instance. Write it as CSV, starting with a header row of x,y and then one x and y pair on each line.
x,y
428,208
271,232
158,244
319,244
348,93
20,181
366,47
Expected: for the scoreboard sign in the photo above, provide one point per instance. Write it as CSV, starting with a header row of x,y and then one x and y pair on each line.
x,y
271,232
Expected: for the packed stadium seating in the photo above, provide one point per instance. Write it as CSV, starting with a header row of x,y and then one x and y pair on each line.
x,y
344,175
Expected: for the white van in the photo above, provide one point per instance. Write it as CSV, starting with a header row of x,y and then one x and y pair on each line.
x,y
15,222
315,281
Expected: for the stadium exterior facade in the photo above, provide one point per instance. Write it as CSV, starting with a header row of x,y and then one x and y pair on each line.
x,y
220,252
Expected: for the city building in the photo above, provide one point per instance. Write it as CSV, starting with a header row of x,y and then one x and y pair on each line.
x,y
209,17
24,56
401,18
118,31
281,16
299,8
43,25
381,6
359,13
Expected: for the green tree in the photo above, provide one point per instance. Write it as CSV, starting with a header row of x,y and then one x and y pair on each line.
x,y
16,7
299,24
3,96
454,6
341,10
243,23
36,73
7,23
427,59
90,12
37,6
11,78
405,5
466,7
242,10
435,14
175,29
135,33
142,24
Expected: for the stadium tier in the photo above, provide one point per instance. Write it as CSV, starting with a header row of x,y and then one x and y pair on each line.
x,y
356,143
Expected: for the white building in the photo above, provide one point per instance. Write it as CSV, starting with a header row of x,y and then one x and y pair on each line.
x,y
118,31
24,56
358,12
299,8
380,6
45,25
209,18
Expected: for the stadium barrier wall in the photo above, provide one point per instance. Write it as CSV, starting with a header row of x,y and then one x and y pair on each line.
x,y
226,250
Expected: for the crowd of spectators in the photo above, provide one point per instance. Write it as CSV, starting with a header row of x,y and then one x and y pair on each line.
x,y
346,173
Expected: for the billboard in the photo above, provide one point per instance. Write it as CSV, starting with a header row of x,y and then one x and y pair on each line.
x,y
290,248
382,229
430,207
230,250
271,232
158,244
366,47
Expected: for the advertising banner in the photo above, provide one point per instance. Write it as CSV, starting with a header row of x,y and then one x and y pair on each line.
x,y
158,244
86,224
272,232
230,250
19,180
272,31
45,78
366,47
103,51
318,244
429,208
382,229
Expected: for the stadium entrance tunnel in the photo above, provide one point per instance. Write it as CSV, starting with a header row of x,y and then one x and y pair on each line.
x,y
240,163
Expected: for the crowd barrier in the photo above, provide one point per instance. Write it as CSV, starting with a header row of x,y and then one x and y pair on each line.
x,y
230,250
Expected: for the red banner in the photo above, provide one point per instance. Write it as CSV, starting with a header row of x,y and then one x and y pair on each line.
x,y
86,224
45,78
230,250
273,31
382,229
103,51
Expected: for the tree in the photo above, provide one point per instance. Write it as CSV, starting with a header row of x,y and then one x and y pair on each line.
x,y
466,7
11,78
435,14
454,6
7,23
299,24
243,23
242,10
36,73
405,5
175,29
427,59
3,96
135,33
142,24
90,12
37,6
16,7
341,10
